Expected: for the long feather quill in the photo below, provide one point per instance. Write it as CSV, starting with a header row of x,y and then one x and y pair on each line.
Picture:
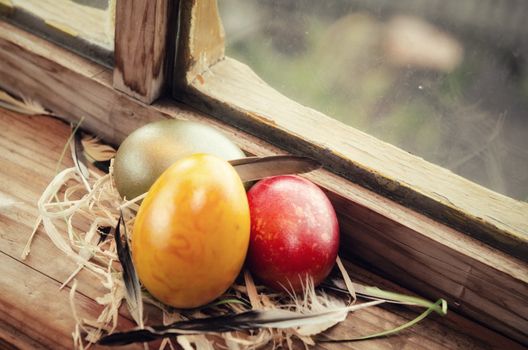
x,y
130,278
78,157
249,320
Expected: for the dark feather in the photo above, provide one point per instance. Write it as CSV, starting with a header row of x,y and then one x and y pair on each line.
x,y
78,156
255,168
103,231
130,278
197,326
103,166
254,319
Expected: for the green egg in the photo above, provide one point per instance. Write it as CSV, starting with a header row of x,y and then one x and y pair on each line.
x,y
151,149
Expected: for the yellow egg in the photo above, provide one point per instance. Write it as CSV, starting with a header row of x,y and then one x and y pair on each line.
x,y
191,233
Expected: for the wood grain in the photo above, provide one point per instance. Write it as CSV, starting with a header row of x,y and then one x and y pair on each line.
x,y
428,257
141,47
37,315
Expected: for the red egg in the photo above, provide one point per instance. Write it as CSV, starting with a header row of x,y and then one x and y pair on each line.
x,y
294,232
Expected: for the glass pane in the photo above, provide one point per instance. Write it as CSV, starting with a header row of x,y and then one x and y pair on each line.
x,y
86,26
446,80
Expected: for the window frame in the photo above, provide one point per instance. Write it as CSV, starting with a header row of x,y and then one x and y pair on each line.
x,y
232,92
143,70
426,253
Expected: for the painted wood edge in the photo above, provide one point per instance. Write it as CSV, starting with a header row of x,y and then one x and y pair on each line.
x,y
113,115
143,47
62,34
200,39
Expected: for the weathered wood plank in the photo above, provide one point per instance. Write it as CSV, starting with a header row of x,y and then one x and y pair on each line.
x,y
429,245
67,58
29,164
22,157
35,314
141,47
35,75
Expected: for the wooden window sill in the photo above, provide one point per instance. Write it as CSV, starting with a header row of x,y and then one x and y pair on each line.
x,y
419,253
37,314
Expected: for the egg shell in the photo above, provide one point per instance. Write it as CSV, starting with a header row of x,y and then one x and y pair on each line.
x,y
151,149
191,232
294,232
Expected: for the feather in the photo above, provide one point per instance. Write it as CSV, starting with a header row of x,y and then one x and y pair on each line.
x,y
374,293
103,231
249,320
315,302
255,168
130,278
78,157
97,151
26,106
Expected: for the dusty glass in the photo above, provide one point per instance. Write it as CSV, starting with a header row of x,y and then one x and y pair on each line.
x,y
86,26
445,80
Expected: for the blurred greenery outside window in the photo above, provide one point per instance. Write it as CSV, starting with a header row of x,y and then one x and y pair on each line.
x,y
445,80
85,26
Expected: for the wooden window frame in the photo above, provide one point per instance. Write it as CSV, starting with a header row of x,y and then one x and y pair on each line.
x,y
410,220
229,90
145,47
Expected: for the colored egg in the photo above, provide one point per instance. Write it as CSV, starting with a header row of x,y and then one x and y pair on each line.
x,y
191,233
294,232
151,149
